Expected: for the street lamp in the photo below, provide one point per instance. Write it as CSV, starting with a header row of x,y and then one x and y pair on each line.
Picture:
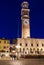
x,y
17,47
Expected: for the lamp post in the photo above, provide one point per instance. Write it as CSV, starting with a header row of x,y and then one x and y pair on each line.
x,y
17,47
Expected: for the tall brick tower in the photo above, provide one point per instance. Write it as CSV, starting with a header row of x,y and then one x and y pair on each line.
x,y
25,20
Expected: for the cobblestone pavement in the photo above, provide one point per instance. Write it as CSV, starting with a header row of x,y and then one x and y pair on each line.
x,y
23,62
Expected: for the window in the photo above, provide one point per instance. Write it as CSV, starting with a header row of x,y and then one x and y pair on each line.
x,y
41,49
25,52
0,41
8,42
20,44
37,45
4,41
31,44
26,44
27,48
20,49
4,47
7,51
26,13
7,46
31,50
38,50
42,44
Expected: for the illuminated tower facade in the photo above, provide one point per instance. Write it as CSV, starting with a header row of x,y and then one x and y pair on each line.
x,y
25,20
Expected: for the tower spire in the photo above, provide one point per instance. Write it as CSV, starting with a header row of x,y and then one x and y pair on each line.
x,y
25,4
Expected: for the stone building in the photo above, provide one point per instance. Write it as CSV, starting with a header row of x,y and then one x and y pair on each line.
x,y
28,46
31,46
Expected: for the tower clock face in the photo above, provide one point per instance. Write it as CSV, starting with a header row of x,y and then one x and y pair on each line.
x,y
26,21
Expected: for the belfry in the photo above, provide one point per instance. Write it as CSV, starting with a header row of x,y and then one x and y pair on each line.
x,y
25,20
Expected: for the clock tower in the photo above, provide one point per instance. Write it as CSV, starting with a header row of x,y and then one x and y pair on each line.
x,y
25,20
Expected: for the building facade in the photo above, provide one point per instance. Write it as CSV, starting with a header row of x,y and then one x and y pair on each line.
x,y
31,46
4,45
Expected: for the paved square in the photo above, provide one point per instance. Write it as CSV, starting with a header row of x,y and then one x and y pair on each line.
x,y
23,62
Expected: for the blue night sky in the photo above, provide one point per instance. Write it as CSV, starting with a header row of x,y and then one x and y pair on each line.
x,y
10,18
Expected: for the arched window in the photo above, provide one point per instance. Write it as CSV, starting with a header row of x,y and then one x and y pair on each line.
x,y
23,49
37,45
38,50
31,44
20,44
0,41
27,48
42,44
20,49
31,50
26,44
